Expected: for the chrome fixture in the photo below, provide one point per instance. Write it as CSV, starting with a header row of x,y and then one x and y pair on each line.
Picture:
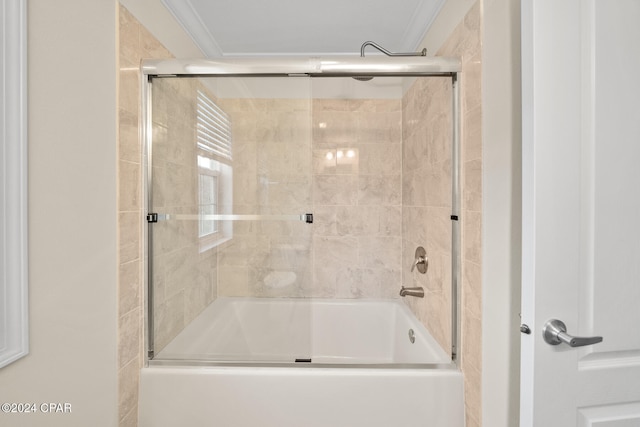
x,y
423,52
555,332
412,292
420,261
412,336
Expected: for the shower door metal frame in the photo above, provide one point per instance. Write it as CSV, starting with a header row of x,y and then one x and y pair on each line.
x,y
376,66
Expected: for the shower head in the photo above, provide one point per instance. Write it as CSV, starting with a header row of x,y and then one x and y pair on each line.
x,y
423,52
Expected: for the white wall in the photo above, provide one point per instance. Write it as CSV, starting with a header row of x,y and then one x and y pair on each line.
x,y
72,217
501,193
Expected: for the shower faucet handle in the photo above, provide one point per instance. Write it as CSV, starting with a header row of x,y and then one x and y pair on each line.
x,y
420,261
417,263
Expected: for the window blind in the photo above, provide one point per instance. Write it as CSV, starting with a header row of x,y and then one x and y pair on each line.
x,y
213,128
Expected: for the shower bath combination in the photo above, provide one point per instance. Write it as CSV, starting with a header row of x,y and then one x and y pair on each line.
x,y
277,241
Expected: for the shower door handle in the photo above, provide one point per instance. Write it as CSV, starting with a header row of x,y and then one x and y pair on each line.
x,y
555,332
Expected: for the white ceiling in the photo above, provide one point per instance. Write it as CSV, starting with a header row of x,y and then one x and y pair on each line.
x,y
303,27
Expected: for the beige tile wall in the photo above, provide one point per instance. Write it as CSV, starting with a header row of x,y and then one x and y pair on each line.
x,y
426,206
339,159
271,176
427,202
357,197
184,276
464,42
135,43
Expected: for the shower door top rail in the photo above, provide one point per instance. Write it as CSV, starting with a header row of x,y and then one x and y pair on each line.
x,y
339,66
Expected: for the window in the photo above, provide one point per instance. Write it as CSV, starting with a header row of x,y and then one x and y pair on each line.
x,y
209,194
213,130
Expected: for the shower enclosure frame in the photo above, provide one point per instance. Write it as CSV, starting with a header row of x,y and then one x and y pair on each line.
x,y
372,66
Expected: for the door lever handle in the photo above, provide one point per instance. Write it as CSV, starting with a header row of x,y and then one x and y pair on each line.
x,y
555,332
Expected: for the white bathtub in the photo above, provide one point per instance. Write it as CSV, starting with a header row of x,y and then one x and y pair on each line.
x,y
364,369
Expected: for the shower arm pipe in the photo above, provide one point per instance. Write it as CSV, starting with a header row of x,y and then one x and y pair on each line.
x,y
423,52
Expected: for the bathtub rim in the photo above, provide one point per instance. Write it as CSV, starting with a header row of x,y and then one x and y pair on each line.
x,y
195,363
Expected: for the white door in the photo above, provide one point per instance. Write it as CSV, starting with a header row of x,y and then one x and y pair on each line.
x,y
581,211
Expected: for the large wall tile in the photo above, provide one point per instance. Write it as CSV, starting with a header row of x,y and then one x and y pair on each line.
x,y
427,197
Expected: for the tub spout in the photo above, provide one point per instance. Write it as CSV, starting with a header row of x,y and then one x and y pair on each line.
x,y
412,292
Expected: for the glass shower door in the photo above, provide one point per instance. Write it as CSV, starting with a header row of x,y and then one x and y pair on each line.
x,y
230,197
271,198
